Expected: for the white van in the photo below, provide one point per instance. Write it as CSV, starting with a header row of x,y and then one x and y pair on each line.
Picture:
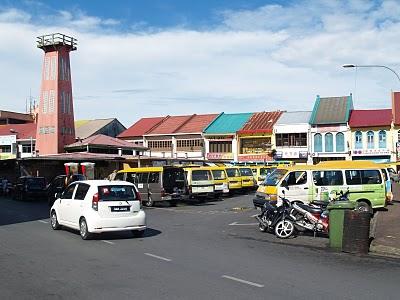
x,y
200,182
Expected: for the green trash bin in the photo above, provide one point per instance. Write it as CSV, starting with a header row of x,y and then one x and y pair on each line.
x,y
336,222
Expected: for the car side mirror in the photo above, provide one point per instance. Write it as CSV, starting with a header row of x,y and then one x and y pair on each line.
x,y
285,184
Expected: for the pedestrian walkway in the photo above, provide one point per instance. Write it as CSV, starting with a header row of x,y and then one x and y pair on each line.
x,y
387,230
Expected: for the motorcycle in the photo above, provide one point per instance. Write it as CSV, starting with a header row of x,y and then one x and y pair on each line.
x,y
271,214
303,217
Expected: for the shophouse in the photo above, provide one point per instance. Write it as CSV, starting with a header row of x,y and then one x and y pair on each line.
x,y
396,126
329,129
220,136
17,140
291,135
178,137
255,142
370,136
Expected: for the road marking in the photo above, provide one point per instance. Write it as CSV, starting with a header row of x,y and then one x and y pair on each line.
x,y
44,222
245,224
159,257
243,281
108,242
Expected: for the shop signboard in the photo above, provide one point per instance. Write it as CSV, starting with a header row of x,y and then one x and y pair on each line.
x,y
217,156
371,152
255,157
8,140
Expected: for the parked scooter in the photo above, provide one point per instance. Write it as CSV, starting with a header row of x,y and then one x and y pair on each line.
x,y
303,217
271,214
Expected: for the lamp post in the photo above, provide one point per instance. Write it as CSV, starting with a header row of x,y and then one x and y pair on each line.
x,y
373,66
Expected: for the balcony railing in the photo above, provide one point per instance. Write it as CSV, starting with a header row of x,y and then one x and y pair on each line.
x,y
56,39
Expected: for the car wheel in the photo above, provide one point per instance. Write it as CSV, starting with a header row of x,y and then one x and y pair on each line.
x,y
54,222
363,207
83,229
284,229
149,202
138,233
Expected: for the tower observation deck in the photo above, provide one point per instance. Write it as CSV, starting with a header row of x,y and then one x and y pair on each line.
x,y
54,40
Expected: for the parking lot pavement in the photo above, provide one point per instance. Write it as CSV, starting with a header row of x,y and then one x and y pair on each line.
x,y
387,228
192,251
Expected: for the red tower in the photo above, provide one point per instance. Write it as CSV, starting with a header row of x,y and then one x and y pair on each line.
x,y
55,125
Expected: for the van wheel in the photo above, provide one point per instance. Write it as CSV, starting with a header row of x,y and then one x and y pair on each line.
x,y
83,229
363,206
149,202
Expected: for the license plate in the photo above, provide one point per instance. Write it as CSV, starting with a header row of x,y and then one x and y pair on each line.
x,y
120,208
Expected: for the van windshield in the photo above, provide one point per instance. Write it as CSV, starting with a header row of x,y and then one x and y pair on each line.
x,y
233,172
201,175
116,192
218,174
274,177
246,172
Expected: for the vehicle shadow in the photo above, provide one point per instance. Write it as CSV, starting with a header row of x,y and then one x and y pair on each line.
x,y
119,235
13,212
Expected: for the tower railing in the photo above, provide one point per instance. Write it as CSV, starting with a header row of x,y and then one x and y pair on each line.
x,y
56,39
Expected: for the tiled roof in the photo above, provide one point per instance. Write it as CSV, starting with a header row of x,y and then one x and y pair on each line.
x,y
261,122
227,123
196,123
169,125
331,110
141,127
370,118
294,117
86,128
4,114
103,140
23,131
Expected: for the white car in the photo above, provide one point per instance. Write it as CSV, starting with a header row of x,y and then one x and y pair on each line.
x,y
95,206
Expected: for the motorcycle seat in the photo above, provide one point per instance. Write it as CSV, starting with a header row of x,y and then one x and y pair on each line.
x,y
320,203
313,210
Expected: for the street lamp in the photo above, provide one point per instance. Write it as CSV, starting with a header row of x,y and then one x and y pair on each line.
x,y
373,66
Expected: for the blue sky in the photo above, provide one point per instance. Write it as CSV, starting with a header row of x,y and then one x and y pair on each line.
x,y
152,58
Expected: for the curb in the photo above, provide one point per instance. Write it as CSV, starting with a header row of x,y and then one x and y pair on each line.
x,y
385,250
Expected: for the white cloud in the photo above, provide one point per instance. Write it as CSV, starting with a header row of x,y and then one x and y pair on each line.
x,y
274,57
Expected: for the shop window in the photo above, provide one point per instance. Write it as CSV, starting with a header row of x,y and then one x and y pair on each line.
x,y
318,142
358,140
5,149
255,145
329,142
370,140
291,139
382,139
221,147
165,145
189,144
340,142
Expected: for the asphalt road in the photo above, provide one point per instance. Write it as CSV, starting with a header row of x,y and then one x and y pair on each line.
x,y
210,251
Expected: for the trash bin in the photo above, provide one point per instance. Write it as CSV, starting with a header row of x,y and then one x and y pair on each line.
x,y
336,222
348,228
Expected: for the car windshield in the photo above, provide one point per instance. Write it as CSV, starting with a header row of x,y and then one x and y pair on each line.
x,y
218,174
233,172
274,177
38,182
201,175
116,192
245,172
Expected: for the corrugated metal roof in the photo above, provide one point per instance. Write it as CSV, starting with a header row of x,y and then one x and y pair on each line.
x,y
261,122
227,123
169,125
370,118
294,117
22,131
90,127
141,127
196,123
331,110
